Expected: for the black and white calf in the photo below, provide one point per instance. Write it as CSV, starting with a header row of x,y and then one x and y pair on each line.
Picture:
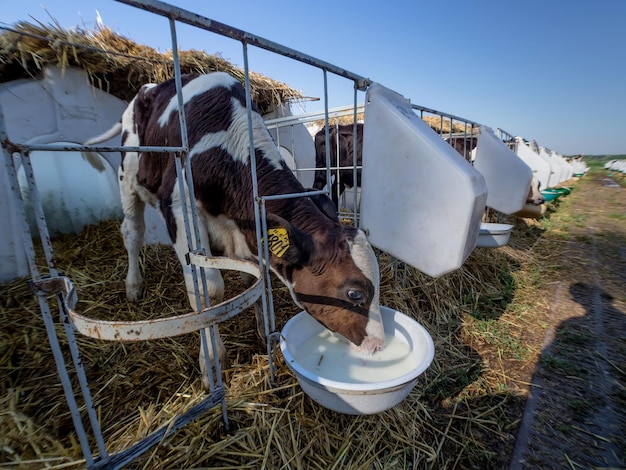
x,y
534,193
341,147
330,269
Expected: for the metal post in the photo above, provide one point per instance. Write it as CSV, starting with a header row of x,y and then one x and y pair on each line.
x,y
260,226
43,303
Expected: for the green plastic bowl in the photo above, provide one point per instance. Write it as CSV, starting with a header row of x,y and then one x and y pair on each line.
x,y
564,191
550,194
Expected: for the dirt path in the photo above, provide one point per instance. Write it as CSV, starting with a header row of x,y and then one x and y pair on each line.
x,y
575,415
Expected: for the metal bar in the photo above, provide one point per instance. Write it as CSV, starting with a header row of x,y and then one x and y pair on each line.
x,y
72,345
193,19
43,304
316,116
326,136
192,230
465,146
268,323
39,214
355,162
293,195
260,224
126,456
19,147
142,330
441,113
504,135
336,188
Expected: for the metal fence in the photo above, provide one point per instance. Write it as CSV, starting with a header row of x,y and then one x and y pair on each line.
x,y
65,292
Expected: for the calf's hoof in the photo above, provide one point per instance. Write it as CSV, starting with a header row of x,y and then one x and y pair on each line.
x,y
221,357
134,291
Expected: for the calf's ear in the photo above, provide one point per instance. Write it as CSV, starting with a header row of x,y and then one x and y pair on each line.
x,y
286,243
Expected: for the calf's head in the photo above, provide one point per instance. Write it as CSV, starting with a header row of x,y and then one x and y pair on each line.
x,y
335,278
534,193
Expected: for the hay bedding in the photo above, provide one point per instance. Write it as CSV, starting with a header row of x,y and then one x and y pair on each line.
x,y
137,387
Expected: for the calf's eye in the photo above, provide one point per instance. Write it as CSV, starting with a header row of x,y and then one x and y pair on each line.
x,y
356,296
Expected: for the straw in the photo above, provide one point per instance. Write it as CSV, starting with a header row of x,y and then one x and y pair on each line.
x,y
117,64
138,387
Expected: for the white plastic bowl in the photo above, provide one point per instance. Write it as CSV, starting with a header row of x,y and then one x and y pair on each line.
x,y
493,235
350,397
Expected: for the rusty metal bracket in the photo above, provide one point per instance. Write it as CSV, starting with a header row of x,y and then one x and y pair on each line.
x,y
48,285
164,327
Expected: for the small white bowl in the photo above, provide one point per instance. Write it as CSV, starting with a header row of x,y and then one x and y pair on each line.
x,y
493,235
351,397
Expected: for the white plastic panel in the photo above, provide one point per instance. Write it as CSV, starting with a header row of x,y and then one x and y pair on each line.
x,y
506,175
566,168
420,200
553,180
540,168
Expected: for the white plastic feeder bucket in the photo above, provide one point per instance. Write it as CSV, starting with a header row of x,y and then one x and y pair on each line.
x,y
507,176
540,168
349,393
493,235
554,169
420,200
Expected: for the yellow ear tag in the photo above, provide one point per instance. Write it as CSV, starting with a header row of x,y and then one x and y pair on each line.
x,y
278,241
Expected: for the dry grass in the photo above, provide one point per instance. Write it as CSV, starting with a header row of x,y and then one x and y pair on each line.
x,y
462,412
116,64
437,123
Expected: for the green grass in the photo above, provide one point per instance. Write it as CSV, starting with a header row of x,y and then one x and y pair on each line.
x,y
567,335
584,239
502,337
580,407
560,365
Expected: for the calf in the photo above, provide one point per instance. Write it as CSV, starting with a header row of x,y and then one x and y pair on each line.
x,y
330,269
341,141
534,193
464,145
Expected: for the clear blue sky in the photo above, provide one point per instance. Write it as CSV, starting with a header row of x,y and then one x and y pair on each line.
x,y
549,70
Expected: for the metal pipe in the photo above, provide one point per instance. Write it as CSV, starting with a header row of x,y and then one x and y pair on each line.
x,y
260,222
43,303
355,171
19,147
326,136
441,113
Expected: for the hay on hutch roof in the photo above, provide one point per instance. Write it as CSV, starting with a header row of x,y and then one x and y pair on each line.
x,y
439,125
116,64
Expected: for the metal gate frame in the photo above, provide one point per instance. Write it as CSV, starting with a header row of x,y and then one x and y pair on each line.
x,y
64,290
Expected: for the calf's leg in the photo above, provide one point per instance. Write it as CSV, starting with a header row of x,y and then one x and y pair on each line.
x,y
133,229
215,291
